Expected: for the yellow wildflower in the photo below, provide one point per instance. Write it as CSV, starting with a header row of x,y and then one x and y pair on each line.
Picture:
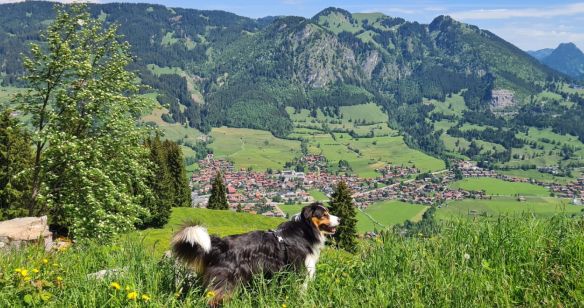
x,y
145,297
34,270
210,294
24,273
59,278
18,270
115,285
45,261
284,306
133,295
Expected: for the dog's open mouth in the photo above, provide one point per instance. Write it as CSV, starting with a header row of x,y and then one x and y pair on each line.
x,y
328,229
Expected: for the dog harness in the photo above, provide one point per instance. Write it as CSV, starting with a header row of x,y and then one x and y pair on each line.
x,y
282,245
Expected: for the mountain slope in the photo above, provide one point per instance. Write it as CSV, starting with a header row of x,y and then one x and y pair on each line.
x,y
568,59
540,54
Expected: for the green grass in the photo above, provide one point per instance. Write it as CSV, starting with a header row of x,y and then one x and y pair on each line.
x,y
451,106
253,148
537,206
518,261
370,113
388,213
385,214
217,222
539,176
318,195
494,186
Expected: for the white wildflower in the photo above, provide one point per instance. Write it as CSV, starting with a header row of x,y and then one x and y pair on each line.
x,y
466,256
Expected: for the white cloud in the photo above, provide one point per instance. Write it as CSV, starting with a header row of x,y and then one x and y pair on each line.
x,y
564,10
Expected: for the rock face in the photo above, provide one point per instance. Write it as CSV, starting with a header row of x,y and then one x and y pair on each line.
x,y
17,232
502,99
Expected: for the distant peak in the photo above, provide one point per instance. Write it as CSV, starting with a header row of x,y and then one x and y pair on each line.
x,y
442,22
569,45
330,10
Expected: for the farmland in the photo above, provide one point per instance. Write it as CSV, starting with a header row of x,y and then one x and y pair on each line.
x,y
494,186
253,148
507,206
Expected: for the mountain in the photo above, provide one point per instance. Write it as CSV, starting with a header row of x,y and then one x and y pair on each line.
x,y
540,54
214,68
566,58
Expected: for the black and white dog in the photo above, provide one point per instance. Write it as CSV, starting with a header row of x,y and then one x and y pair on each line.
x,y
224,263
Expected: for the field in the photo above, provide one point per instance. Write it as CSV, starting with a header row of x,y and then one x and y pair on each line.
x,y
537,206
227,223
383,213
253,148
373,144
318,195
523,262
388,213
494,186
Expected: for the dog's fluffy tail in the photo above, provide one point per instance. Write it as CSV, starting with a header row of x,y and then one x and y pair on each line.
x,y
191,245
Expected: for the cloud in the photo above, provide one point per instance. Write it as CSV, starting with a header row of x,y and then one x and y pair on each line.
x,y
563,10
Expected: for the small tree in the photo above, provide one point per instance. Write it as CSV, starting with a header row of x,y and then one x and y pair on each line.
x,y
90,167
15,161
178,174
159,203
218,198
341,205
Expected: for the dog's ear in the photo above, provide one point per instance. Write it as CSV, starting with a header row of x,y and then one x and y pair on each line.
x,y
307,212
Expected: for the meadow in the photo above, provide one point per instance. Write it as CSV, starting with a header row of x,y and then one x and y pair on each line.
x,y
378,216
507,206
253,148
493,186
518,261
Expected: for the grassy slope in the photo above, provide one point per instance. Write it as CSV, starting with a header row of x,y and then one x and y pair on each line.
x,y
512,262
538,206
386,213
494,186
253,148
218,222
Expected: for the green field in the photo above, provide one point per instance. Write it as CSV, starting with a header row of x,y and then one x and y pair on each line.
x,y
253,148
388,213
385,214
318,195
518,261
538,206
494,186
539,176
217,222
370,113
451,106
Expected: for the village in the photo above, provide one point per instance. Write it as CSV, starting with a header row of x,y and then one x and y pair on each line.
x,y
261,192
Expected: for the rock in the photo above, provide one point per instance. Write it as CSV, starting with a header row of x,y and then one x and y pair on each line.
x,y
17,232
108,273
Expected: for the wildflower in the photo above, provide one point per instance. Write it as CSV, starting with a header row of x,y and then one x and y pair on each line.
x,y
80,22
34,270
133,295
210,294
145,297
466,256
18,270
284,306
115,285
59,278
23,273
45,261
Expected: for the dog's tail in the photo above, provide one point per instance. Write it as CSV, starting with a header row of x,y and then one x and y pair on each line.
x,y
191,245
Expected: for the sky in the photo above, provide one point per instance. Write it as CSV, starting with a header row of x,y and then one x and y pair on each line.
x,y
530,25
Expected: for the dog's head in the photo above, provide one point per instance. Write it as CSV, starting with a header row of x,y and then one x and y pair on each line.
x,y
318,216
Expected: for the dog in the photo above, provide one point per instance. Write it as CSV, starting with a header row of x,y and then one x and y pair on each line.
x,y
225,263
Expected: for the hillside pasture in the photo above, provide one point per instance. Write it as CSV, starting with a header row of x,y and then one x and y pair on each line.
x,y
388,213
253,148
220,223
507,206
493,186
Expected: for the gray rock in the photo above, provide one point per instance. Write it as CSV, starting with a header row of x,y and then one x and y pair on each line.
x,y
17,232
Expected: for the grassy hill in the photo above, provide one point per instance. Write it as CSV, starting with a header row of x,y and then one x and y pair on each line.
x,y
518,261
221,223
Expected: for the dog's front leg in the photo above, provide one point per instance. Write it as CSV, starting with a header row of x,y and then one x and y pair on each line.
x,y
310,264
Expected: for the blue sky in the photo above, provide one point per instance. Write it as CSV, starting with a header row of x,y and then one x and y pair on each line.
x,y
528,24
